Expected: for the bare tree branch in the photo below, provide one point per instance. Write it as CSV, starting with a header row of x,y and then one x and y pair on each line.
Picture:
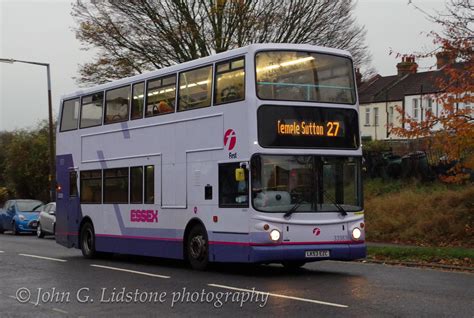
x,y
140,35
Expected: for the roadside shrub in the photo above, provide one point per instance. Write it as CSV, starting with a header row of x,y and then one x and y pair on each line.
x,y
431,214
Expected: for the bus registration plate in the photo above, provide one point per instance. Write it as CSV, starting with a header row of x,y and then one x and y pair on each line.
x,y
321,253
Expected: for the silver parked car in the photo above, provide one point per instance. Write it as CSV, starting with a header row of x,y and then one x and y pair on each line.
x,y
47,220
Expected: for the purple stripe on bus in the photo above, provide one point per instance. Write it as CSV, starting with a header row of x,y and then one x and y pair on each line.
x,y
143,247
125,131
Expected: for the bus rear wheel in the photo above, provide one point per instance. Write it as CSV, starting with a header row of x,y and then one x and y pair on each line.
x,y
197,248
88,241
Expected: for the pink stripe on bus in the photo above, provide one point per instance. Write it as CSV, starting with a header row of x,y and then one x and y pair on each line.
x,y
283,243
140,237
216,242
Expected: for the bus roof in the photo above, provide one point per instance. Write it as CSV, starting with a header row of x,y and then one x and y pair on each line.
x,y
204,60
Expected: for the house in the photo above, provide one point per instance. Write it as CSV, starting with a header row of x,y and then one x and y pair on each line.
x,y
413,92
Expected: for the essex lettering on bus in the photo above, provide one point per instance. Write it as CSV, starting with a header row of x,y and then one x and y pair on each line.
x,y
148,216
303,128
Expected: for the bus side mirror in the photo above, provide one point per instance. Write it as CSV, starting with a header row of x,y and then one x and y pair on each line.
x,y
240,174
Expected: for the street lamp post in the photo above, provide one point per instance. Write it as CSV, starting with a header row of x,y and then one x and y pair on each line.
x,y
52,181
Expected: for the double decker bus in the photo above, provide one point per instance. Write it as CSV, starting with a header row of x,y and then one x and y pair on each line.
x,y
252,155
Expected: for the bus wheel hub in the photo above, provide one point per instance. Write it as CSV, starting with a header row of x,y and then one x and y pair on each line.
x,y
198,247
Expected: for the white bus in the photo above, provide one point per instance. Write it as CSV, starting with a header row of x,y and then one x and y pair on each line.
x,y
252,155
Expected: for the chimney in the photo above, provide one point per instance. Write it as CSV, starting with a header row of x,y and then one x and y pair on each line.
x,y
444,58
358,77
407,65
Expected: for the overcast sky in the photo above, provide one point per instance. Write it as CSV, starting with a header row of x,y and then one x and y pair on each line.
x,y
41,31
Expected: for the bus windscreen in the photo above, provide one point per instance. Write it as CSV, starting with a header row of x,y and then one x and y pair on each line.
x,y
307,127
304,76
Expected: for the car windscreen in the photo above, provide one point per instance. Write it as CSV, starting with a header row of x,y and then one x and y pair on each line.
x,y
28,206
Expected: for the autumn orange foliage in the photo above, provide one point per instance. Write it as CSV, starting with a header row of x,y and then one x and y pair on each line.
x,y
451,132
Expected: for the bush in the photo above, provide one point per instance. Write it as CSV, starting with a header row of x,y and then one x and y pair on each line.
x,y
3,195
431,214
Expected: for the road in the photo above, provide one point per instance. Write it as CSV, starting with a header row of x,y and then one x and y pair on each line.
x,y
43,279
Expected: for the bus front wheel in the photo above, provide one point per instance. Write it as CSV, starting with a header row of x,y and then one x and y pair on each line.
x,y
88,241
197,248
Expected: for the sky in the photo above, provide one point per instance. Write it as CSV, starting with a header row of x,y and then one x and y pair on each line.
x,y
42,31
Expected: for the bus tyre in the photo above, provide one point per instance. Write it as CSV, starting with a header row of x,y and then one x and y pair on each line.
x,y
39,231
197,248
88,241
293,265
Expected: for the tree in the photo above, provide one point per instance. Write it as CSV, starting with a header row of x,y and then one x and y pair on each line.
x,y
5,140
26,167
133,37
455,139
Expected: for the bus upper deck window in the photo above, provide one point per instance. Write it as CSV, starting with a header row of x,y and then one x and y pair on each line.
x,y
304,76
70,115
116,105
91,110
230,81
195,88
161,94
138,98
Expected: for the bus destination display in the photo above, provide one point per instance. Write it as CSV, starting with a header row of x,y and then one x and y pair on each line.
x,y
307,127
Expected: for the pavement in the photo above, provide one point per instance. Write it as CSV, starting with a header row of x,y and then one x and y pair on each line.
x,y
43,279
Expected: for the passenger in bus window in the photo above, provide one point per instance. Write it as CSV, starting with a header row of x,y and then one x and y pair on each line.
x,y
164,107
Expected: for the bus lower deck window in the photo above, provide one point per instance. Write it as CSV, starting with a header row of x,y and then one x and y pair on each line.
x,y
136,185
73,184
150,184
91,186
116,185
232,193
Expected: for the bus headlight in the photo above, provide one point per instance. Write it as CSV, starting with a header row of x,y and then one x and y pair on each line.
x,y
356,233
275,235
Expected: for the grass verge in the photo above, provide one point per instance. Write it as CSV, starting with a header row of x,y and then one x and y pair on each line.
x,y
456,256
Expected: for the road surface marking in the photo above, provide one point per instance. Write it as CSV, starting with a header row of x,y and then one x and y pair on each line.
x,y
60,310
2,252
130,271
281,296
43,257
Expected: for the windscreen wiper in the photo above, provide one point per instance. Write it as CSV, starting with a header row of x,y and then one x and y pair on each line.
x,y
337,205
293,208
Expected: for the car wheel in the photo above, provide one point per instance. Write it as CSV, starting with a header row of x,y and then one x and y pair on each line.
x,y
39,231
293,265
14,229
197,248
88,241
2,230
